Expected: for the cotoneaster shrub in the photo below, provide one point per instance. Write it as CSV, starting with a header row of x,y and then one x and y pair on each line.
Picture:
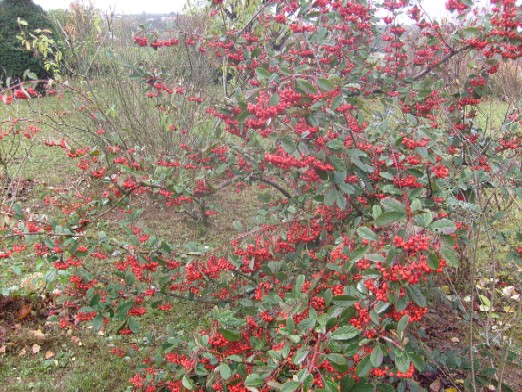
x,y
371,166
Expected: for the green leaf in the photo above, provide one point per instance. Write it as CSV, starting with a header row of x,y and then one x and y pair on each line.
x,y
331,196
254,380
385,388
402,362
443,226
262,73
364,367
355,156
16,270
335,144
337,359
402,324
124,308
134,325
418,361
288,145
375,257
229,335
381,307
325,84
336,162
450,256
224,371
367,233
299,283
488,372
358,254
433,261
363,387
415,205
377,356
97,323
305,86
290,386
388,217
345,333
274,100
347,189
237,225
345,300
300,355
187,383
416,295
391,204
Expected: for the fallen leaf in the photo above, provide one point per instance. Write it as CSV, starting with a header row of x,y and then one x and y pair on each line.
x,y
36,348
455,339
445,290
34,282
25,311
22,353
76,340
37,333
435,385
508,291
49,355
3,349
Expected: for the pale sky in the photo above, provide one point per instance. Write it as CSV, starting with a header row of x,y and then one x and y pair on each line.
x,y
435,8
123,6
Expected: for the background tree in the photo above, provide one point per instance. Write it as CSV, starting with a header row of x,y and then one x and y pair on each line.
x,y
14,60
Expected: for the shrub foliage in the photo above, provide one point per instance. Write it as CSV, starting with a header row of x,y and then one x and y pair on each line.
x,y
373,173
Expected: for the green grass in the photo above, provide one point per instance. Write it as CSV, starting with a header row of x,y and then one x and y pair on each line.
x,y
86,367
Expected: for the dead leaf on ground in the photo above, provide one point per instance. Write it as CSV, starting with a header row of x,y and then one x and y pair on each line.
x,y
25,311
455,339
36,348
76,340
37,333
435,386
3,349
49,355
508,291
